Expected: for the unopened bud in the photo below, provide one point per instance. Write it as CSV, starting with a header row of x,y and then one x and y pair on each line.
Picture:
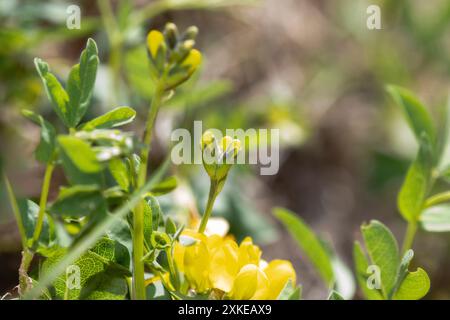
x,y
171,34
190,33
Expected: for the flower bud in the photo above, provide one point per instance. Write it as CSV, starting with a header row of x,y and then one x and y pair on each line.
x,y
173,58
171,34
218,157
190,33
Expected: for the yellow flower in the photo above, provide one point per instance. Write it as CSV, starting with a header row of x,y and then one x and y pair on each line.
x,y
214,262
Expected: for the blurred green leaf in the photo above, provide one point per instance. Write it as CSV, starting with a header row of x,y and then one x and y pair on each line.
x,y
46,148
290,292
416,185
416,114
165,186
308,242
55,91
105,285
80,153
78,201
114,118
436,218
334,295
120,173
383,252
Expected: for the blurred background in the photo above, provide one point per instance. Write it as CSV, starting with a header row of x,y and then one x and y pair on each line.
x,y
310,68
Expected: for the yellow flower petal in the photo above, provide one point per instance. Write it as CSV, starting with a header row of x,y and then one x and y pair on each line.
x,y
250,283
196,266
279,272
248,253
193,60
154,40
224,266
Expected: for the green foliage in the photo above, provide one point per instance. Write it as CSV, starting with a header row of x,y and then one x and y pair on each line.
x,y
332,270
416,185
29,213
308,241
396,281
78,201
415,113
46,148
114,118
80,153
71,104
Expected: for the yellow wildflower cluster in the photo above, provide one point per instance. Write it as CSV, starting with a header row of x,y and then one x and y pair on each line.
x,y
214,262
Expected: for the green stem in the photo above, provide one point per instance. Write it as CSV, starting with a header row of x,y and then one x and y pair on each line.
x,y
172,268
409,236
209,205
138,253
437,198
138,216
43,203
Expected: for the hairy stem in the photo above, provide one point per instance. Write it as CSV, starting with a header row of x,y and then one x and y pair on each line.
x,y
43,203
138,215
209,205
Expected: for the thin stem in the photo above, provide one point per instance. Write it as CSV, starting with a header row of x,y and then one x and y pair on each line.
x,y
172,269
43,203
209,205
138,215
437,198
409,236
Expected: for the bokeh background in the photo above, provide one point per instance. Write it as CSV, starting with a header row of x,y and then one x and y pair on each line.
x,y
310,68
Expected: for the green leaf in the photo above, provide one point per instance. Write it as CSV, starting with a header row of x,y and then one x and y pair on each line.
x,y
334,295
46,148
121,233
88,265
112,251
78,201
290,292
436,219
416,114
114,118
81,82
383,252
80,153
105,286
119,171
361,265
414,190
414,286
165,186
55,91
59,268
170,226
75,175
308,242
29,212
443,163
